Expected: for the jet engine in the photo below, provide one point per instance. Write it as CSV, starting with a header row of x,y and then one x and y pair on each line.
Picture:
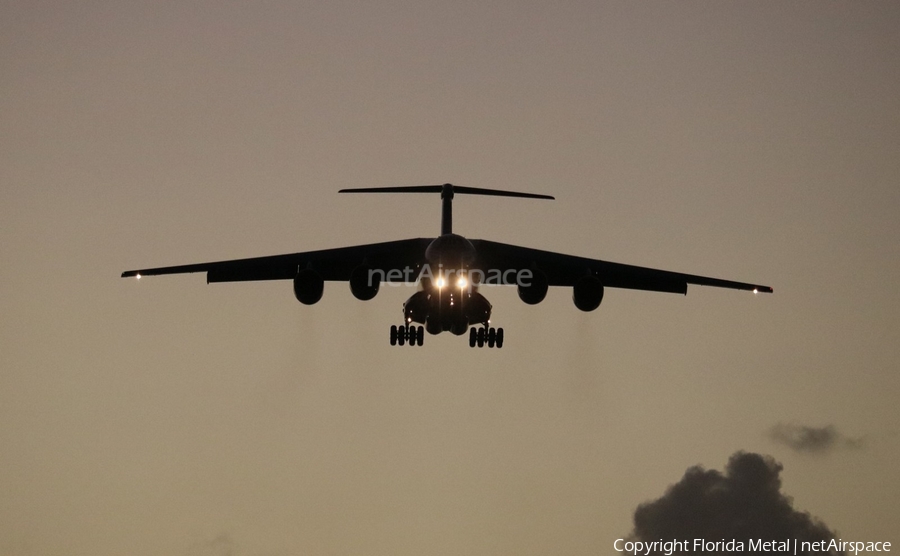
x,y
587,293
308,286
536,290
364,283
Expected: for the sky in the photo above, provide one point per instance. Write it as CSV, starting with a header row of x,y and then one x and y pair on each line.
x,y
753,141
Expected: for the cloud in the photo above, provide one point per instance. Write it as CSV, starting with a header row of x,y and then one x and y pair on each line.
x,y
222,545
817,440
743,503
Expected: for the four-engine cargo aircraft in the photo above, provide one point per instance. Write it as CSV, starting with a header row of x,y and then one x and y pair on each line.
x,y
448,270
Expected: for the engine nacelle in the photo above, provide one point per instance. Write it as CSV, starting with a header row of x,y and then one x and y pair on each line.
x,y
364,283
587,293
536,290
308,286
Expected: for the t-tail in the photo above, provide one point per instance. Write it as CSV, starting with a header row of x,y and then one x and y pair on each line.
x,y
447,190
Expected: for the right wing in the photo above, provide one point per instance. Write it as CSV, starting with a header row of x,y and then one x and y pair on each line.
x,y
331,264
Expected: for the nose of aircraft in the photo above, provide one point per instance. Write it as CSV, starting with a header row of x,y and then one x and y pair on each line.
x,y
450,249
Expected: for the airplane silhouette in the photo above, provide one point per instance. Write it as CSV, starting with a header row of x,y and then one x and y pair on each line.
x,y
448,270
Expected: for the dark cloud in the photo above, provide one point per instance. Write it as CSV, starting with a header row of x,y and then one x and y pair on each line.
x,y
222,545
811,439
744,503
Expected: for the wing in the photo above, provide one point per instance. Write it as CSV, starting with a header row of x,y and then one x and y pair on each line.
x,y
565,270
331,264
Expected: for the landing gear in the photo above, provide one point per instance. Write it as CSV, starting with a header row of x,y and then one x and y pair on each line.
x,y
493,337
406,334
420,335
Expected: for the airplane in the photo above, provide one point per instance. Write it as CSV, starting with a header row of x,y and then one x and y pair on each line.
x,y
448,271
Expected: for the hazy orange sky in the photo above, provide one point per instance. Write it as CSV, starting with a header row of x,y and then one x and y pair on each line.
x,y
754,141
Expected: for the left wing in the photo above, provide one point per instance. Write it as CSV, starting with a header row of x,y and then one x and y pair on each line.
x,y
331,264
565,270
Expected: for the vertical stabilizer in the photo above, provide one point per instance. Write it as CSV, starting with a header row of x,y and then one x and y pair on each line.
x,y
446,209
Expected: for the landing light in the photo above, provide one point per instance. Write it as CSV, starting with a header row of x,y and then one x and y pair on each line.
x,y
138,276
462,282
440,282
755,290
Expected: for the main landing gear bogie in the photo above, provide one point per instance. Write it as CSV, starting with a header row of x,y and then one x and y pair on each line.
x,y
485,336
407,335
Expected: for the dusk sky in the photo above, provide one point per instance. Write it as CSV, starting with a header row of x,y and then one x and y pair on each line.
x,y
753,141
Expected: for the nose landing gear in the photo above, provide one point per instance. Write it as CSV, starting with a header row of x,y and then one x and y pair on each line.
x,y
407,334
492,337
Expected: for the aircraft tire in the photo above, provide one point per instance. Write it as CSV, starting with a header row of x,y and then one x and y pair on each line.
x,y
491,337
420,335
473,337
480,338
393,334
499,338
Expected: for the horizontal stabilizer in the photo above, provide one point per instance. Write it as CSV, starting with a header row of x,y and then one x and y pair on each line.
x,y
446,188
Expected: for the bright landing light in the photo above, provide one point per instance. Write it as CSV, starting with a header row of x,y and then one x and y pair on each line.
x,y
440,282
462,282
138,276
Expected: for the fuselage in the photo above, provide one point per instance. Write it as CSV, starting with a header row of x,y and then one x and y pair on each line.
x,y
448,298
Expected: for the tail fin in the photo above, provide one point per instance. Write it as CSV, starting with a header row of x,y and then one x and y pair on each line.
x,y
447,190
